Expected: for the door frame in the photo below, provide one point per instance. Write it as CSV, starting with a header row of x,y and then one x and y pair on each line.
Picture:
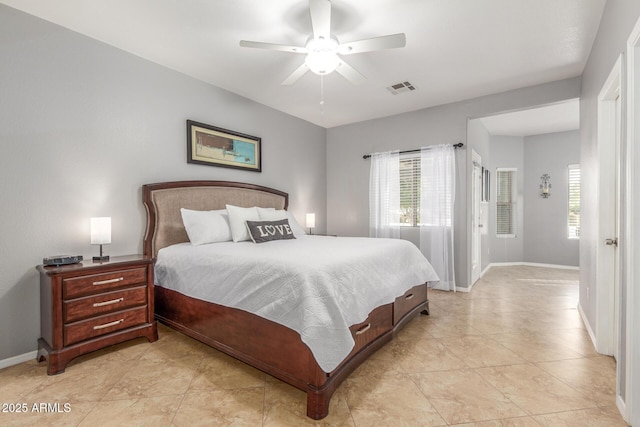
x,y
476,209
630,402
607,217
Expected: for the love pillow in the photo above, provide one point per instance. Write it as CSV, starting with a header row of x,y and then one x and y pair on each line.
x,y
266,231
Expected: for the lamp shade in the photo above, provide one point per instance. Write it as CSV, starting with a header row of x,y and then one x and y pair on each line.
x,y
311,220
101,230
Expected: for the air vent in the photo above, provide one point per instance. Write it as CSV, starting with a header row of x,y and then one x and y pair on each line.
x,y
399,88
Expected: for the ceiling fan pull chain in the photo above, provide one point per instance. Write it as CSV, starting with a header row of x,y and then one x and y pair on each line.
x,y
322,94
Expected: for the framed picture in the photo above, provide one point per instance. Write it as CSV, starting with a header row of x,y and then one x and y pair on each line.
x,y
213,146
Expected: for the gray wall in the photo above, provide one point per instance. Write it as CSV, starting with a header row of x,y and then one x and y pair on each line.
x,y
83,125
617,22
348,173
507,152
545,220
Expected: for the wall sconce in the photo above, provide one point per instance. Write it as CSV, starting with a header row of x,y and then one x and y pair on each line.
x,y
101,235
545,186
311,222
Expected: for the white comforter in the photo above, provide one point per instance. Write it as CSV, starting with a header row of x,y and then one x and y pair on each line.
x,y
315,285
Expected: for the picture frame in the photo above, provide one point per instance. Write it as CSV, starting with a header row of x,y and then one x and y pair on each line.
x,y
214,146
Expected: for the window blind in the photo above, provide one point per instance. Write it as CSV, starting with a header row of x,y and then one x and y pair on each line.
x,y
410,191
505,204
412,183
573,217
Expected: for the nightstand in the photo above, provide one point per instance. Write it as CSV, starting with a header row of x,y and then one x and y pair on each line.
x,y
91,305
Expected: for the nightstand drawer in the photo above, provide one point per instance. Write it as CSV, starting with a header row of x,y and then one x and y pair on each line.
x,y
407,302
92,306
85,329
98,283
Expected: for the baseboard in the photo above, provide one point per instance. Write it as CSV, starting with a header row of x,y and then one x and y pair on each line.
x,y
587,325
458,289
622,408
502,264
15,360
509,264
530,264
485,270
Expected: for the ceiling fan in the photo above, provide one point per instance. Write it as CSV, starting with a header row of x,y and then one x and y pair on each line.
x,y
323,49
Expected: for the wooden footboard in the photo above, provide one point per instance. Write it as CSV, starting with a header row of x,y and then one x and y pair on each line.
x,y
266,345
278,350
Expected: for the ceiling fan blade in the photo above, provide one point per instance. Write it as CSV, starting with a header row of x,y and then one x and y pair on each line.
x,y
293,77
320,11
377,43
271,46
350,73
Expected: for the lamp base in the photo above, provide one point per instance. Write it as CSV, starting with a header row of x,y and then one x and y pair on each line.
x,y
101,257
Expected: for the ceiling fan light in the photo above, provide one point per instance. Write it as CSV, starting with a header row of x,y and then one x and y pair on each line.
x,y
322,62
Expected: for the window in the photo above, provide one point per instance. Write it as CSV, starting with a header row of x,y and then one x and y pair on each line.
x,y
410,191
573,217
413,181
505,202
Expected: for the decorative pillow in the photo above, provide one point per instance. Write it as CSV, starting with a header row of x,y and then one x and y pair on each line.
x,y
237,218
206,226
266,231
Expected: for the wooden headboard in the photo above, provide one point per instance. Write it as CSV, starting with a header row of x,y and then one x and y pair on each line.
x,y
164,200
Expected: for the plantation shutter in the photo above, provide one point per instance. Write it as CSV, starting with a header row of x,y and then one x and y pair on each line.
x,y
505,206
574,202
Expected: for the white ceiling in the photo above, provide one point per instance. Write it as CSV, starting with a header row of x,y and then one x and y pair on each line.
x,y
560,117
456,49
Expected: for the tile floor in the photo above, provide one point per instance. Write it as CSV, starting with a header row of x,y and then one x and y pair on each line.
x,y
513,352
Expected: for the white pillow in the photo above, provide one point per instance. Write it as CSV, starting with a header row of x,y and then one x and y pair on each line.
x,y
295,227
270,214
206,226
238,218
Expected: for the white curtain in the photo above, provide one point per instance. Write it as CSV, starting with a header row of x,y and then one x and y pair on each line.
x,y
437,195
384,195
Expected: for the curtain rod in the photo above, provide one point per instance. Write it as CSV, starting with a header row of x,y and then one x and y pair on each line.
x,y
417,150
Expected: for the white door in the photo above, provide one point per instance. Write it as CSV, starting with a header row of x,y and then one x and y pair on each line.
x,y
476,222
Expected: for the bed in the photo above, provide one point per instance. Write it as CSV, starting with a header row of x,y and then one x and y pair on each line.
x,y
313,342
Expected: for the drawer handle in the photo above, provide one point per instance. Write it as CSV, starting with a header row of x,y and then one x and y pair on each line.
x,y
106,325
363,330
106,282
408,297
113,301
